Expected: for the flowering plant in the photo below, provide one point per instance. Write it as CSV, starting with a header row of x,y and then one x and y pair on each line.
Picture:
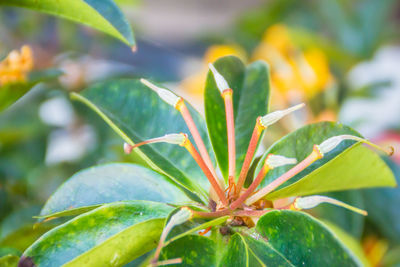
x,y
180,208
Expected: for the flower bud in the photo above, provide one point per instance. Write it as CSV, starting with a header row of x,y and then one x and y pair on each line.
x,y
222,84
274,161
331,143
275,116
176,139
166,95
304,203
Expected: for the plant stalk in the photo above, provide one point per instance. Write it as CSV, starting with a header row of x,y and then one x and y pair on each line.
x,y
315,155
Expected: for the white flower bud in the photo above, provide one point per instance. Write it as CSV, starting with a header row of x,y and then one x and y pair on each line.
x,y
166,95
176,139
274,161
222,84
331,143
303,203
275,116
181,216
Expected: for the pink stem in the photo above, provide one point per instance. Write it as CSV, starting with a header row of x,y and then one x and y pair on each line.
x,y
286,176
230,125
252,187
211,178
196,135
251,213
249,155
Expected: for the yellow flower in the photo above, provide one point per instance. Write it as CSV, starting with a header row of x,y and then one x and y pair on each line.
x,y
16,66
295,73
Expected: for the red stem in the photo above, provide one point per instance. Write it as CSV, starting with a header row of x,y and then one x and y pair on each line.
x,y
181,107
251,213
213,181
258,128
251,188
286,176
230,125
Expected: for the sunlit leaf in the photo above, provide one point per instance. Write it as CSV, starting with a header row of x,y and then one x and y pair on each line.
x,y
127,229
102,15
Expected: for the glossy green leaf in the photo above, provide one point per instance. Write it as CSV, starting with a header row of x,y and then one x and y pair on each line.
x,y
9,261
194,250
10,93
115,233
110,183
304,241
348,166
247,251
136,113
250,87
102,15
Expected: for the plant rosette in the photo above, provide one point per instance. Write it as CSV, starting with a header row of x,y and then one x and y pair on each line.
x,y
203,199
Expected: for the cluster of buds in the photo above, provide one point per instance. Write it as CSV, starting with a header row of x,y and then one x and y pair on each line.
x,y
16,66
243,199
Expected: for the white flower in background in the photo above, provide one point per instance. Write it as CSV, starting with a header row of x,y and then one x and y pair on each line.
x,y
371,116
70,141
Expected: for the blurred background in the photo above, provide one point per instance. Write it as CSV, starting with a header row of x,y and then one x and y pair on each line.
x,y
340,57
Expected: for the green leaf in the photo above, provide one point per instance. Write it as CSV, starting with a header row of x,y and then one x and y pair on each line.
x,y
304,241
246,251
348,166
194,250
9,261
250,87
115,233
136,113
10,93
102,15
110,183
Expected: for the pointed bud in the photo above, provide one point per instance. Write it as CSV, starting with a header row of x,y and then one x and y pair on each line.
x,y
183,215
274,161
331,143
127,148
313,201
222,84
166,95
275,116
176,139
